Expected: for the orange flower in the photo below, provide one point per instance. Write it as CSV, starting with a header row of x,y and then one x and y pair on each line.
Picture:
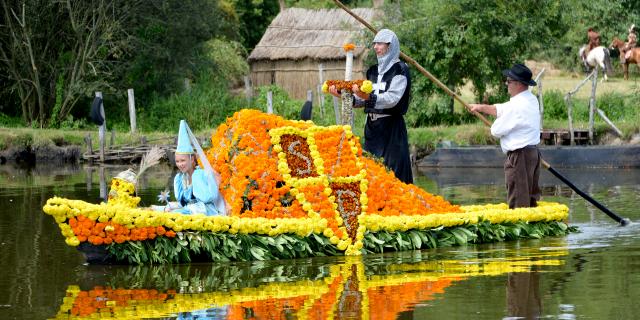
x,y
343,85
349,47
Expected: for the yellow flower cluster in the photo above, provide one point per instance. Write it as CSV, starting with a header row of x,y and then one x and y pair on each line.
x,y
121,193
367,86
63,209
496,214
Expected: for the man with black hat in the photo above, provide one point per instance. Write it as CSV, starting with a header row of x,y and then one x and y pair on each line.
x,y
518,127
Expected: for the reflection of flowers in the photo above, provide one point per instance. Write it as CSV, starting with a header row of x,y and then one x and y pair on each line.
x,y
164,196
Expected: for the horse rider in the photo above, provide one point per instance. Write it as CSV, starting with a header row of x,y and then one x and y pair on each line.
x,y
594,41
625,52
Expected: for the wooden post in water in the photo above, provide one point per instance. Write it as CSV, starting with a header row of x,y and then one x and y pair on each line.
x,y
103,128
89,177
103,184
87,140
270,102
592,103
132,110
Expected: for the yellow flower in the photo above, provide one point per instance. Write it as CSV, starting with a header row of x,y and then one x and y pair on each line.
x,y
72,241
367,86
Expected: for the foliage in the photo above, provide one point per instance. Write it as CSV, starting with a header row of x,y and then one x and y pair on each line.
x,y
49,45
282,104
467,40
169,44
9,121
207,246
227,59
554,105
254,16
208,104
434,110
609,18
613,105
482,232
55,55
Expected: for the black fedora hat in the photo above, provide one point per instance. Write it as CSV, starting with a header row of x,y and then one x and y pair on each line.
x,y
519,72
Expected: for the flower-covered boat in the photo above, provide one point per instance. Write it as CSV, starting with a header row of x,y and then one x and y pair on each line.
x,y
293,189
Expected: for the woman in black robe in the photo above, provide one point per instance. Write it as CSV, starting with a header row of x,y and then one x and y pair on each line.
x,y
385,131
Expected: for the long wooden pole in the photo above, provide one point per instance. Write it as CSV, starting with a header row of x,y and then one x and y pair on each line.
x,y
612,215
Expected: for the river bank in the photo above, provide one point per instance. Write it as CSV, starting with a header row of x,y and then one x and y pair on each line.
x,y
54,145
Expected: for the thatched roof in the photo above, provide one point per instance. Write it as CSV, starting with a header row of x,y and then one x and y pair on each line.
x,y
297,34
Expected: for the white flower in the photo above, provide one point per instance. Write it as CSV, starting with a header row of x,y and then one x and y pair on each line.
x,y
164,196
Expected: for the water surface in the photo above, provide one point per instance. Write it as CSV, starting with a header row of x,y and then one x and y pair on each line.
x,y
592,274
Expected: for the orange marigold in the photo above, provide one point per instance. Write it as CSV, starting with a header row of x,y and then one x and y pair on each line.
x,y
349,47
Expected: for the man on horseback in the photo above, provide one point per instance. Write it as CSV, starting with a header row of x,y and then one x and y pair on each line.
x,y
594,41
625,51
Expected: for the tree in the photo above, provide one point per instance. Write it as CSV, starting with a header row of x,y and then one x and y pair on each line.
x,y
473,40
255,16
609,18
55,52
168,39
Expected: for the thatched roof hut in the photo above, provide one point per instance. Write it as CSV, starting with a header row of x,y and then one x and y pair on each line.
x,y
301,47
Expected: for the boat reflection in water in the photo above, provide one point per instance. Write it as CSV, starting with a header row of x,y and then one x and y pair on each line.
x,y
371,287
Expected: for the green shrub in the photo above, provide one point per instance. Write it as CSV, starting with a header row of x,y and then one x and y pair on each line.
x,y
24,140
9,121
476,136
434,110
205,106
74,124
282,104
613,105
554,105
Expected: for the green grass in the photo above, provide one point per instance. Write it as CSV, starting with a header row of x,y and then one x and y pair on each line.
x,y
23,137
620,100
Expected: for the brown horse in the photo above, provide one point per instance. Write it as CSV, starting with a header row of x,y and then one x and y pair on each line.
x,y
633,58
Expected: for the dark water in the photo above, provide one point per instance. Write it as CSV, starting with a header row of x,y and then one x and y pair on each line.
x,y
590,275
